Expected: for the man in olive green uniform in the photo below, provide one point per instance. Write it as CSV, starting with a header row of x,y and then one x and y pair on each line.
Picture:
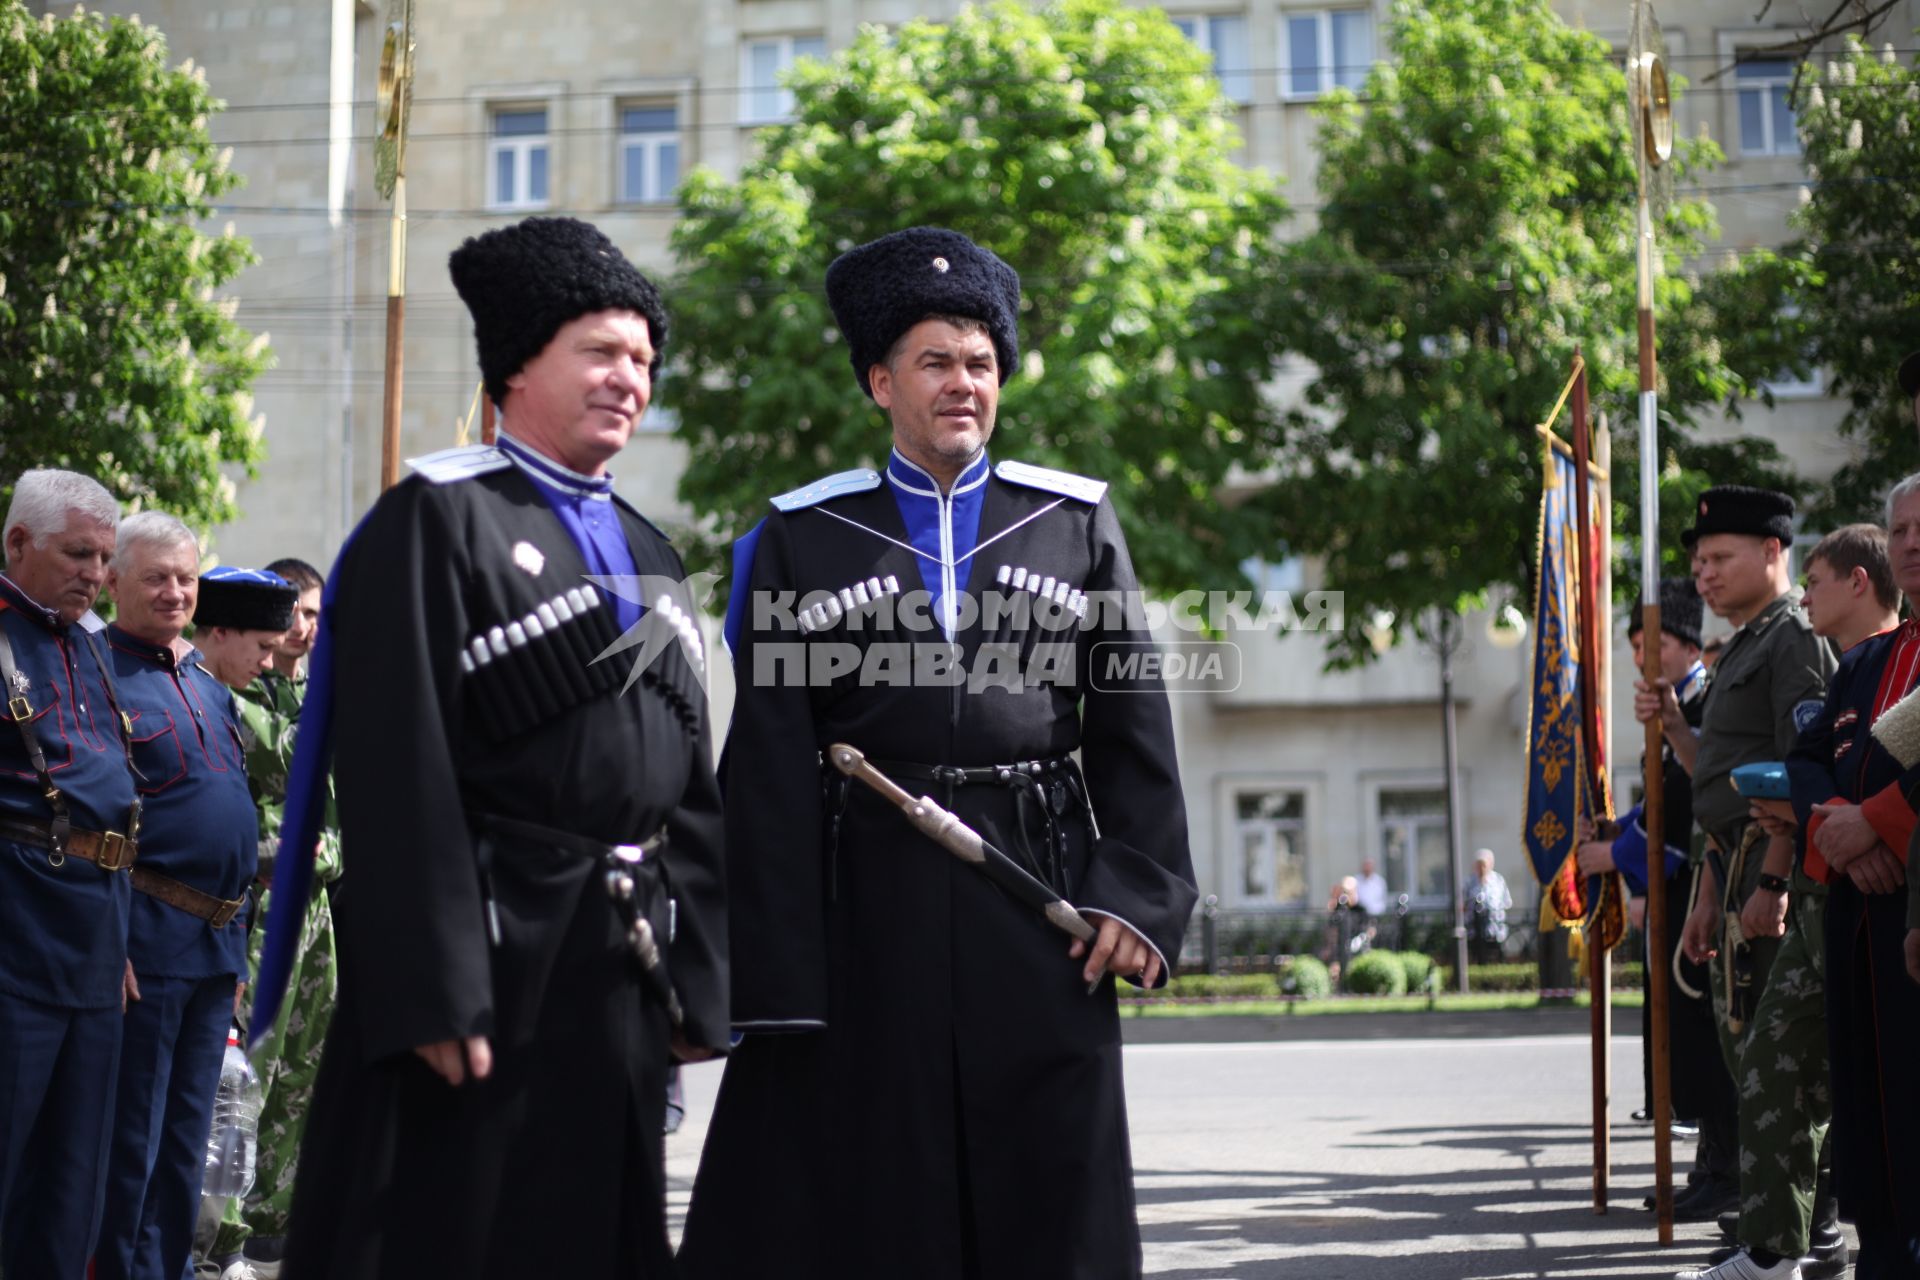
x,y
1771,678
248,1244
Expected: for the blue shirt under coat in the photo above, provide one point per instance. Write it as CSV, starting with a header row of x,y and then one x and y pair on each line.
x,y
584,505
942,526
63,930
198,825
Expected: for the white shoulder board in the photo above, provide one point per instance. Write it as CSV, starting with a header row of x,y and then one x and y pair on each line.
x,y
834,486
461,462
1085,488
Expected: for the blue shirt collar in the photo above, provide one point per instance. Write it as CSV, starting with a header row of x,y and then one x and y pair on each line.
x,y
911,477
552,474
1692,682
23,603
162,655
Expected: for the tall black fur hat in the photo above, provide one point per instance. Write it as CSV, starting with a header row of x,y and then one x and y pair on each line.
x,y
245,600
883,288
1680,612
523,282
1739,508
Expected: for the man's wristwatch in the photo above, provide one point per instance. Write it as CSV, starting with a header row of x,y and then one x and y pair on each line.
x,y
1772,883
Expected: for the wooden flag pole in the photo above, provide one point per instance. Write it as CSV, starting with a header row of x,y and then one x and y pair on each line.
x,y
396,336
1651,99
1653,806
1599,960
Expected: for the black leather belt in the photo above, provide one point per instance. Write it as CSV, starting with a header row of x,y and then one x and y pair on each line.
x,y
953,775
630,894
554,838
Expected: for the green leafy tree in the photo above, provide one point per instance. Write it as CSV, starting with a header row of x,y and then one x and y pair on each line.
x,y
1476,228
116,359
1089,146
1844,297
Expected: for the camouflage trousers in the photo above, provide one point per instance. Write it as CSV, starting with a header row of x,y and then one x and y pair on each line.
x,y
287,1061
1785,1100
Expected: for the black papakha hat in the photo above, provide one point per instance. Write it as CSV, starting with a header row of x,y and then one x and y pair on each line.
x,y
883,288
1910,375
245,600
1680,611
525,281
1739,508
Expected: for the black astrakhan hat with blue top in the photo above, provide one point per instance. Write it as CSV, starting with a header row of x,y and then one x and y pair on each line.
x,y
245,600
883,288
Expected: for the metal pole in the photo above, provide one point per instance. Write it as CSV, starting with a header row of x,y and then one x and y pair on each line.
x,y
1449,636
1653,807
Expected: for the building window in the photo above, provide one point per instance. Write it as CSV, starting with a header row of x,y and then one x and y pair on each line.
x,y
762,62
517,159
1326,49
1766,116
1224,38
1269,839
649,154
1413,842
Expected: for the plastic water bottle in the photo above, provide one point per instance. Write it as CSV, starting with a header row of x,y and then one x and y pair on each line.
x,y
236,1126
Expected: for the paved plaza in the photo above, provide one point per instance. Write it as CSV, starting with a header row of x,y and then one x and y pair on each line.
x,y
1387,1154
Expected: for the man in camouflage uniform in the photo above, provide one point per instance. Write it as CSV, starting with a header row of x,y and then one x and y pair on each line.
x,y
249,1240
1769,682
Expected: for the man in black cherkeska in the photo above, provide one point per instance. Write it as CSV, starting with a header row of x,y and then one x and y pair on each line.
x,y
536,887
926,1085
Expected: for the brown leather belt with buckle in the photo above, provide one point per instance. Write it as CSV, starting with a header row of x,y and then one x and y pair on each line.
x,y
218,912
108,850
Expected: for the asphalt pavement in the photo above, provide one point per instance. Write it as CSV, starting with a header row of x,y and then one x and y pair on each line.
x,y
1382,1154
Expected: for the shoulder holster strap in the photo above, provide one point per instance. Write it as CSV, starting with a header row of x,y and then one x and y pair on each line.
x,y
22,711
125,725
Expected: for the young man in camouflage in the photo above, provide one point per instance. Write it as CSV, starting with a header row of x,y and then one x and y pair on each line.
x,y
247,659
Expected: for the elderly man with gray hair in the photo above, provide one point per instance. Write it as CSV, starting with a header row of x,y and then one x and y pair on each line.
x,y
187,939
68,818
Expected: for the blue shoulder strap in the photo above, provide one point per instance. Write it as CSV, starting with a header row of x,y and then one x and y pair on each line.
x,y
742,586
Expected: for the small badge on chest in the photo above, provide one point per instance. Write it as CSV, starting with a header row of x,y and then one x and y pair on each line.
x,y
529,558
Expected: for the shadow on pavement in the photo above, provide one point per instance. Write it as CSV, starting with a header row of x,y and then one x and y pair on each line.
x,y
1525,1213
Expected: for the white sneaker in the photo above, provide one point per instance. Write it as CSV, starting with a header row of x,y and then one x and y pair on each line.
x,y
1740,1266
240,1269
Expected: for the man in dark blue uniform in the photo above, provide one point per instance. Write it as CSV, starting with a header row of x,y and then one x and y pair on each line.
x,y
186,943
67,827
930,1080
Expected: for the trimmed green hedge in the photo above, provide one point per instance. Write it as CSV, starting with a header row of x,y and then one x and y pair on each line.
x,y
1419,967
1306,977
1377,973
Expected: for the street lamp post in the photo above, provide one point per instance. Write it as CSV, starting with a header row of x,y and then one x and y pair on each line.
x,y
1446,638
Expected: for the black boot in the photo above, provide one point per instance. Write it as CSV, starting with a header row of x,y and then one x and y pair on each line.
x,y
1827,1245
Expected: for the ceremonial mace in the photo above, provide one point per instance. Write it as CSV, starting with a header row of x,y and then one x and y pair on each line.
x,y
1651,119
390,177
966,844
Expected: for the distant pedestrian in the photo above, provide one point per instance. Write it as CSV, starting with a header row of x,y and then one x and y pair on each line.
x,y
1487,903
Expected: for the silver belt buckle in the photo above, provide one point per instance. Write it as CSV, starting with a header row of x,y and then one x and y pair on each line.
x,y
630,852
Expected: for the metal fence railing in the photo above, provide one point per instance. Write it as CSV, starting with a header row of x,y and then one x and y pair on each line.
x,y
1241,940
